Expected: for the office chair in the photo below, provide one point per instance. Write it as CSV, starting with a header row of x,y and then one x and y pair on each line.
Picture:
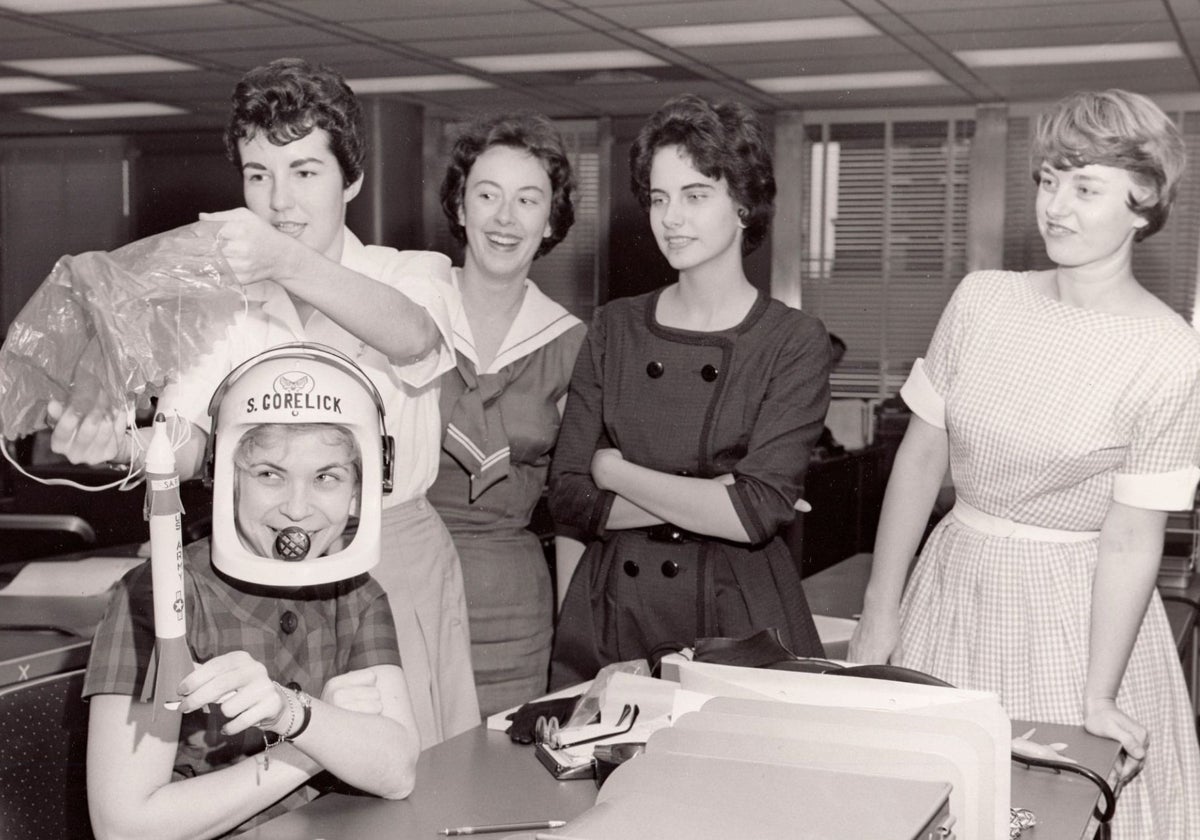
x,y
43,750
27,536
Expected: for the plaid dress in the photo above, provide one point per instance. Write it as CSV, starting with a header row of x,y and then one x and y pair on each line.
x,y
304,637
1053,412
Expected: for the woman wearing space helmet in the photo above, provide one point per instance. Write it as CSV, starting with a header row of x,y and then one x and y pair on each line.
x,y
299,665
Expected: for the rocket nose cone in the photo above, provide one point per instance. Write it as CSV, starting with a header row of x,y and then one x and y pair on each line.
x,y
292,543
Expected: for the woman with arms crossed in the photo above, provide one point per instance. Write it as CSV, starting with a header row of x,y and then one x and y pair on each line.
x,y
691,416
1066,404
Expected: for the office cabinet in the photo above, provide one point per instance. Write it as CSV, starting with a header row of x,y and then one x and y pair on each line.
x,y
846,494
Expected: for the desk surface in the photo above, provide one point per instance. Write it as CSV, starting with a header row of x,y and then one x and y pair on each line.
x,y
481,777
1179,601
477,778
838,591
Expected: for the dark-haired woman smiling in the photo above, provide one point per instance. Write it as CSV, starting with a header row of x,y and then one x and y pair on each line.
x,y
507,196
691,415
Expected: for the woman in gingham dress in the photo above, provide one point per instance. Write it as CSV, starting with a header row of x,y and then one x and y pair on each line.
x,y
1066,404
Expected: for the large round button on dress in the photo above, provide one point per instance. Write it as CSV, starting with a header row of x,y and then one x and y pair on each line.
x,y
709,373
631,568
670,568
288,622
293,686
654,370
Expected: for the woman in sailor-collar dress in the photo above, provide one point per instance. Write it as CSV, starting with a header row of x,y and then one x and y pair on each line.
x,y
507,195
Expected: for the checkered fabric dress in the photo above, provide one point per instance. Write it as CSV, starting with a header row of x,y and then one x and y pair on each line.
x,y
305,636
1052,412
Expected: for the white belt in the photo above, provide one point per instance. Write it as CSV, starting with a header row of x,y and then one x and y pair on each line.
x,y
998,526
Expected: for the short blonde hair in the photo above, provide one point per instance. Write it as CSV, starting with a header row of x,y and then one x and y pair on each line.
x,y
268,435
1120,129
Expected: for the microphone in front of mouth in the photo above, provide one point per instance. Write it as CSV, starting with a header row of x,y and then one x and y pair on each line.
x,y
292,543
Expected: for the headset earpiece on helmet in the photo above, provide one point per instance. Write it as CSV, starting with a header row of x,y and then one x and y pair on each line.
x,y
298,384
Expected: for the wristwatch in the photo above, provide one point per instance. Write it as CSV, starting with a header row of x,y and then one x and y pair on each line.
x,y
306,704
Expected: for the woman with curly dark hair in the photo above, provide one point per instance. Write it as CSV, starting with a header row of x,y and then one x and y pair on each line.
x,y
296,134
692,413
507,196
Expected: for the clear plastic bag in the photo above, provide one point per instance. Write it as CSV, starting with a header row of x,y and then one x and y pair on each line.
x,y
126,320
589,705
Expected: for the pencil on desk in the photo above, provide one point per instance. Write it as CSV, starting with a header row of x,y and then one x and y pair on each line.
x,y
488,829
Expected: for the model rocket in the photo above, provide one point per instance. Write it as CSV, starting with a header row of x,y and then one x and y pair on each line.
x,y
172,660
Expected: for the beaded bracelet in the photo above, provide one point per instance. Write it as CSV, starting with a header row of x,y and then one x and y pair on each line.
x,y
268,727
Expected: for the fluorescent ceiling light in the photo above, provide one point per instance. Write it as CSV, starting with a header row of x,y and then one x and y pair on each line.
x,y
849,81
417,84
802,29
106,111
31,84
1080,54
100,65
543,62
47,7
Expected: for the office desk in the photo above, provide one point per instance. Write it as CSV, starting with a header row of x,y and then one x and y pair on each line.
x,y
838,591
1184,615
481,777
476,778
49,634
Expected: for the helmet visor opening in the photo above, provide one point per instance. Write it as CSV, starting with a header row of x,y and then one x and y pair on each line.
x,y
297,489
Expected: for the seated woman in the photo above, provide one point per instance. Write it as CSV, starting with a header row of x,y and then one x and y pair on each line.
x,y
301,668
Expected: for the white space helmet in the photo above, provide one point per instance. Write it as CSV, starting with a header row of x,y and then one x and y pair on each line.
x,y
298,383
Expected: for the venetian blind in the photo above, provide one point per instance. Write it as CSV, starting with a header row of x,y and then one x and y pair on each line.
x,y
887,232
568,273
1166,263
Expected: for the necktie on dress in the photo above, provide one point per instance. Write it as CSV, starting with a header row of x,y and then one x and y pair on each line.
x,y
475,435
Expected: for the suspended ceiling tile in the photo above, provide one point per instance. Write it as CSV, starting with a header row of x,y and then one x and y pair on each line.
x,y
280,37
358,10
1048,36
1023,18
674,13
174,18
844,52
484,26
580,40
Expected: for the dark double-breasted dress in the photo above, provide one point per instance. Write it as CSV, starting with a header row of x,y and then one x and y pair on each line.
x,y
748,401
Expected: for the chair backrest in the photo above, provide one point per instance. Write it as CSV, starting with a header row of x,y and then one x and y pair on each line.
x,y
43,752
25,536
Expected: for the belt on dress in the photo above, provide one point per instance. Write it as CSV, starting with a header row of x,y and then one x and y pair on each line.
x,y
668,533
998,526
